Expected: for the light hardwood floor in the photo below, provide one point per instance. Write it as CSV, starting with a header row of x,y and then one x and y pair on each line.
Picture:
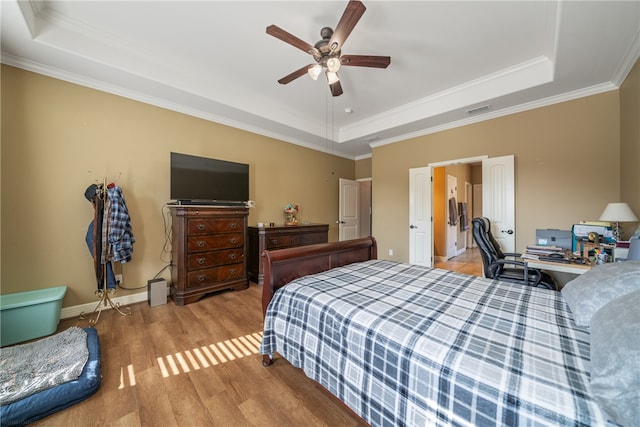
x,y
197,365
469,262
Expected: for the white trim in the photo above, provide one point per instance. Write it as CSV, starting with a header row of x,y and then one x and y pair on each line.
x,y
552,100
466,160
88,308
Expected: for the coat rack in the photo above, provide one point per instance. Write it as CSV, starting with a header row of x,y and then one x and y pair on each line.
x,y
103,292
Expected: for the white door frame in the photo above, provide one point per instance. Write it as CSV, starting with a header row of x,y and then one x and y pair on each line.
x,y
468,197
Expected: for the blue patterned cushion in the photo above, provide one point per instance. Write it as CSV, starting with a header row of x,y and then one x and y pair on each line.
x,y
615,359
587,293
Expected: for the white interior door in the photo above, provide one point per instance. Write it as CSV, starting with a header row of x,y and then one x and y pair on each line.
x,y
498,199
348,227
420,224
452,217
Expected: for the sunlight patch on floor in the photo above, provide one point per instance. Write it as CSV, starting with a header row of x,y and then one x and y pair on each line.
x,y
207,356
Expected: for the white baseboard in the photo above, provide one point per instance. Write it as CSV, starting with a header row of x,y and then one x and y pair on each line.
x,y
76,310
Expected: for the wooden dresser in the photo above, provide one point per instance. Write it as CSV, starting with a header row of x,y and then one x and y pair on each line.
x,y
280,237
208,251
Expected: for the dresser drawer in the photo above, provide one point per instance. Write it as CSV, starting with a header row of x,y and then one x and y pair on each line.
x,y
313,238
218,241
280,242
214,258
210,276
207,226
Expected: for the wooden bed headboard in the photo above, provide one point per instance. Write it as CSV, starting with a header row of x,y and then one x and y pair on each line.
x,y
284,265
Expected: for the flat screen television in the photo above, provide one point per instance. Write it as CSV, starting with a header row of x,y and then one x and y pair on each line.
x,y
201,180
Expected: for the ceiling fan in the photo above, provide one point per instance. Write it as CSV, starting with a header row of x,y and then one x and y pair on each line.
x,y
327,52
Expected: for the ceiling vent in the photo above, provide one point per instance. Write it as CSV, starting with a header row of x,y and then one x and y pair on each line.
x,y
479,109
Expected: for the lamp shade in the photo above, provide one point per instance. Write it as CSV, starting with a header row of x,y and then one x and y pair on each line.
x,y
619,212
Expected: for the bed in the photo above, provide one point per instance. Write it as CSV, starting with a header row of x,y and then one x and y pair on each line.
x,y
401,344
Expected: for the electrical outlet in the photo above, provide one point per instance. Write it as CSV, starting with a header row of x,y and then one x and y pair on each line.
x,y
390,252
118,279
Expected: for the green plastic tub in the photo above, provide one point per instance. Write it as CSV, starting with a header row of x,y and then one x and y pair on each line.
x,y
30,314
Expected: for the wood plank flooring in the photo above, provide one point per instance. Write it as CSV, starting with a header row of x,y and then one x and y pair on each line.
x,y
468,262
197,365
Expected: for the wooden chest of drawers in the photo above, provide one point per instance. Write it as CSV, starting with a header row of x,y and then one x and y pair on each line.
x,y
208,251
280,237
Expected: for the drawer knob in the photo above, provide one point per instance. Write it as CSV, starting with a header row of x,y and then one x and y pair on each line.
x,y
200,227
233,271
233,225
233,240
201,261
201,243
274,241
201,278
232,256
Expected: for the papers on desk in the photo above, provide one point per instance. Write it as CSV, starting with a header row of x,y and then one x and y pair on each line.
x,y
547,253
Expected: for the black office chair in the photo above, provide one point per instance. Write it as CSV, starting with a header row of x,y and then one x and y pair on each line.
x,y
498,267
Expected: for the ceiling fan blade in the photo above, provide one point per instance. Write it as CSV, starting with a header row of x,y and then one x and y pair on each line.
x,y
289,38
336,88
365,61
350,18
291,77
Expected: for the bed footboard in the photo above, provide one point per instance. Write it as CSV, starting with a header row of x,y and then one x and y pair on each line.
x,y
284,265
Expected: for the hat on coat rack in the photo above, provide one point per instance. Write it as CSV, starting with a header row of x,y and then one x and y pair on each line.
x,y
91,192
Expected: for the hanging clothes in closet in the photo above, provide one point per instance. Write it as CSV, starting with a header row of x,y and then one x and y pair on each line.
x,y
464,218
109,236
453,211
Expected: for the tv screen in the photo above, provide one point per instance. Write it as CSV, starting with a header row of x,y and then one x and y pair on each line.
x,y
201,179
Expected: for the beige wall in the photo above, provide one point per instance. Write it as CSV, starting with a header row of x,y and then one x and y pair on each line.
x,y
566,164
363,168
58,138
630,144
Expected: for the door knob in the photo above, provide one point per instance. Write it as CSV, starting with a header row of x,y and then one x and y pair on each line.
x,y
341,222
413,226
507,231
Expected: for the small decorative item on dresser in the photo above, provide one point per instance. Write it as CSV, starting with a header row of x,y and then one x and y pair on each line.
x,y
291,214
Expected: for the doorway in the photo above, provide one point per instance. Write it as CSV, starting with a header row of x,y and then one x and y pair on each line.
x,y
497,202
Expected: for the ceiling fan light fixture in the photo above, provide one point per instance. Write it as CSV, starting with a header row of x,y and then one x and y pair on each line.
x,y
315,71
333,64
332,77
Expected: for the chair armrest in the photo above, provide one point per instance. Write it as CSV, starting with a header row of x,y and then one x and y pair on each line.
x,y
536,275
513,254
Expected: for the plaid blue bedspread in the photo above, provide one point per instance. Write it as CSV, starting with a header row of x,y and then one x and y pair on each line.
x,y
404,345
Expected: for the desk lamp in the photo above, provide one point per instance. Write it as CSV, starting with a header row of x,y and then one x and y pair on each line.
x,y
618,212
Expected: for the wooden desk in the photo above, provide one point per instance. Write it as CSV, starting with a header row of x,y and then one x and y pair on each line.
x,y
559,266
